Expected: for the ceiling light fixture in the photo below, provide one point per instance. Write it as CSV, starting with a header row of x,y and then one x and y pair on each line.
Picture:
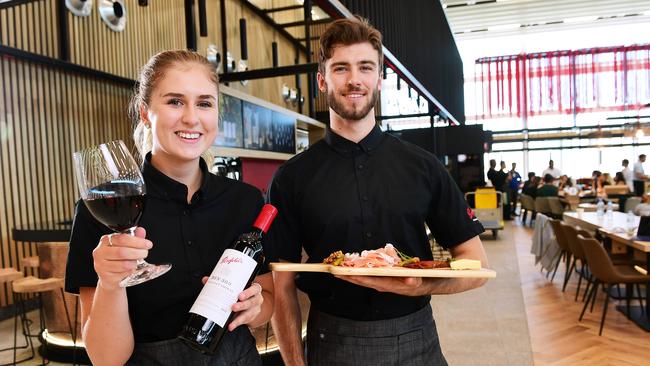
x,y
584,19
503,27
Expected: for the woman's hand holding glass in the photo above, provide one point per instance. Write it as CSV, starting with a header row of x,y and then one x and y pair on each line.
x,y
116,257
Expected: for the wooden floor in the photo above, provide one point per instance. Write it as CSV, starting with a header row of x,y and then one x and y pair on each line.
x,y
557,337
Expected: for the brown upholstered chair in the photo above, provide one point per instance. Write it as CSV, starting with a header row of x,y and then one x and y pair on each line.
x,y
565,251
571,234
527,205
605,274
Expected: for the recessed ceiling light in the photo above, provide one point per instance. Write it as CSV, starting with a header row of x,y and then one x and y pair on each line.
x,y
584,19
647,12
504,27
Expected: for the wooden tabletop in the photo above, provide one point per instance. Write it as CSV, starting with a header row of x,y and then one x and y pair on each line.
x,y
614,227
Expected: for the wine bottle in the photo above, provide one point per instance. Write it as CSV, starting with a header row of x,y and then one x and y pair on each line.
x,y
211,313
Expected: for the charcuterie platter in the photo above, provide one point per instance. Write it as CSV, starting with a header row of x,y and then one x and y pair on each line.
x,y
383,271
388,261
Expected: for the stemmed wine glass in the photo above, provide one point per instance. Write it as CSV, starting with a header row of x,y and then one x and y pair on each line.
x,y
113,189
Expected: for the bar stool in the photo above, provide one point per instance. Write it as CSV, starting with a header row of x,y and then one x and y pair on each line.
x,y
34,285
8,275
30,262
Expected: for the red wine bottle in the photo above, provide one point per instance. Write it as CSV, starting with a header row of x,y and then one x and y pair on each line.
x,y
210,315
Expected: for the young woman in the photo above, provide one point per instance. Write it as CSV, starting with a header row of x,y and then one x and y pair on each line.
x,y
190,218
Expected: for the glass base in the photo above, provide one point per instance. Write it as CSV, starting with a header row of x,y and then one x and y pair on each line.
x,y
145,272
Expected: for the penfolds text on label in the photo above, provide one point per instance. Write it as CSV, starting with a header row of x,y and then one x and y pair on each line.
x,y
228,260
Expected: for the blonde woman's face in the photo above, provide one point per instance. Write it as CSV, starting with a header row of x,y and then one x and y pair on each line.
x,y
183,113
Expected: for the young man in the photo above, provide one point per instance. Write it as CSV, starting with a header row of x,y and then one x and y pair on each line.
x,y
548,189
639,176
628,174
513,185
553,171
358,189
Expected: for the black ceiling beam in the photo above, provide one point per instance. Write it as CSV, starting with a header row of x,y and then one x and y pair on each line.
x,y
64,65
9,4
190,25
64,33
306,22
265,17
312,38
269,72
283,8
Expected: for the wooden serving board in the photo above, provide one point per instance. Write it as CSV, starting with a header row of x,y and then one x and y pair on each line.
x,y
387,271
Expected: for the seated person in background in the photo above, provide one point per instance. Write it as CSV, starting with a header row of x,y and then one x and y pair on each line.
x,y
548,189
602,181
530,186
562,184
619,179
569,188
607,179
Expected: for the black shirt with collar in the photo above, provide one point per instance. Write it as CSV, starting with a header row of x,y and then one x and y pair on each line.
x,y
191,237
341,195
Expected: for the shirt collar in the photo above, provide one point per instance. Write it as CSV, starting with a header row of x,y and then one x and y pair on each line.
x,y
368,144
160,185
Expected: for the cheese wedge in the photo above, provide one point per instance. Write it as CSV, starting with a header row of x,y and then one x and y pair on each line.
x,y
465,264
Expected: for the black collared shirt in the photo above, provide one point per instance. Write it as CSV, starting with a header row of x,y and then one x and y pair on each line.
x,y
191,237
340,195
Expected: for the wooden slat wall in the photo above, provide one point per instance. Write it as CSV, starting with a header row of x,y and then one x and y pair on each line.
x,y
31,27
46,114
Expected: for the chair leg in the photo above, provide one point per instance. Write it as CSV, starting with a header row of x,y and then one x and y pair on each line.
x,y
524,213
568,273
559,259
589,284
584,308
595,295
20,312
638,291
581,274
41,321
602,320
629,288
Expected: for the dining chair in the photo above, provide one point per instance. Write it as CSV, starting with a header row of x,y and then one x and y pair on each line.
x,y
605,274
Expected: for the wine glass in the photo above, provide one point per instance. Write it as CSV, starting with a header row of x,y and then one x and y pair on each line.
x,y
113,189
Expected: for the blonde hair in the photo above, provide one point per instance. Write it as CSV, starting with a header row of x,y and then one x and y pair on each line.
x,y
150,74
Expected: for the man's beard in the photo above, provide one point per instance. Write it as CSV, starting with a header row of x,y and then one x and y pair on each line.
x,y
351,113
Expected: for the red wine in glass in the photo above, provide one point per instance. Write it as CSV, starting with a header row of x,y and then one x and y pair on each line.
x,y
113,189
119,208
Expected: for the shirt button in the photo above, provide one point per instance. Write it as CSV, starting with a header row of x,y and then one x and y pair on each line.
x,y
360,166
364,198
368,234
189,242
186,212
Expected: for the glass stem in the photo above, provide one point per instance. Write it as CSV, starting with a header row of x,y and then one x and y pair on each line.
x,y
131,231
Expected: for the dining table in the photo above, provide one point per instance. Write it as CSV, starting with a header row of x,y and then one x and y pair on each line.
x,y
619,228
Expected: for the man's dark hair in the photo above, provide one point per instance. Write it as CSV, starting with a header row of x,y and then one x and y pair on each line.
x,y
344,32
548,178
626,162
531,175
641,156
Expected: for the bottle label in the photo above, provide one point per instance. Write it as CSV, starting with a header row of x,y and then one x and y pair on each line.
x,y
224,285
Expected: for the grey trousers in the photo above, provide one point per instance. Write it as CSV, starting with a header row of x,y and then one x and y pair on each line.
x,y
237,348
410,340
